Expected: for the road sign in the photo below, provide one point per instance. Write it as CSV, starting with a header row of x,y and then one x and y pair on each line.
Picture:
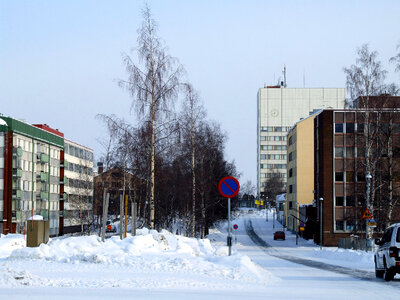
x,y
229,187
259,202
366,214
371,223
235,226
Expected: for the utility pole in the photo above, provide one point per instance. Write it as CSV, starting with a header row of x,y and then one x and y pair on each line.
x,y
121,213
367,240
126,214
320,223
106,198
134,212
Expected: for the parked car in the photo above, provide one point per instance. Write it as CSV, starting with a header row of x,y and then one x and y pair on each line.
x,y
110,227
387,257
279,235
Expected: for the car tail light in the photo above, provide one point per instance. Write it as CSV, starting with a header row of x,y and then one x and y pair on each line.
x,y
398,264
393,252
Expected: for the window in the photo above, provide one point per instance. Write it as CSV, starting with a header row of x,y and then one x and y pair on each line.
x,y
263,156
349,152
339,201
263,138
290,205
290,189
387,236
349,225
339,225
263,175
339,128
290,172
349,127
360,177
349,176
339,176
398,235
339,152
360,152
291,140
290,156
349,201
360,128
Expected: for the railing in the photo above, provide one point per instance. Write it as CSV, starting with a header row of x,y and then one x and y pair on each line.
x,y
354,242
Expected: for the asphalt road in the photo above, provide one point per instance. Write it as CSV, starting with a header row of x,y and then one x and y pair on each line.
x,y
270,250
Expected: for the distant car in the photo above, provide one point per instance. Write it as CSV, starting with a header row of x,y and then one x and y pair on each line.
x,y
279,235
387,257
110,227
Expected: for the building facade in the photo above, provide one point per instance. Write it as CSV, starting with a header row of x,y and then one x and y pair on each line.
x,y
78,173
340,181
278,108
300,171
30,170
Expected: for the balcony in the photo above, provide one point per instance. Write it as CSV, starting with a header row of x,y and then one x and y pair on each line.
x,y
44,214
16,194
42,196
42,158
42,177
17,173
17,151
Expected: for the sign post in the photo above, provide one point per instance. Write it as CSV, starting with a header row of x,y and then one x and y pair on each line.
x,y
235,226
229,188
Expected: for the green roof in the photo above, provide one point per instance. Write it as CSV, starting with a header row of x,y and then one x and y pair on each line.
x,y
31,131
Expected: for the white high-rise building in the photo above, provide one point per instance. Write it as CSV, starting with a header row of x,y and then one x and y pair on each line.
x,y
278,109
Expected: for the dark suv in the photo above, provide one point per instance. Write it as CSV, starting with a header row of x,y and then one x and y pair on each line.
x,y
387,257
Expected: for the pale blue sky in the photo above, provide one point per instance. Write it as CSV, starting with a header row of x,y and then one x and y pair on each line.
x,y
59,59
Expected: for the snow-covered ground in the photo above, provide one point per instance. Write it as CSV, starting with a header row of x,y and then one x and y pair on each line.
x,y
162,265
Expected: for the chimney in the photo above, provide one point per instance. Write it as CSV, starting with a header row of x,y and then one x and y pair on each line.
x,y
99,167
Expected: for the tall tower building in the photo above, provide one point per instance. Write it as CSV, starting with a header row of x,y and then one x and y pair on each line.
x,y
278,109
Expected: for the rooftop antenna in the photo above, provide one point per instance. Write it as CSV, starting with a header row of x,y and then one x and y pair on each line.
x,y
283,83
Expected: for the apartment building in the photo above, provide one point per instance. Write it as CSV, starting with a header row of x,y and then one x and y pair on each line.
x,y
78,172
278,109
300,171
30,162
341,179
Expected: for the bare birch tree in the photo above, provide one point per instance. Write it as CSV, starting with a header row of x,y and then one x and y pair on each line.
x,y
153,86
193,113
365,79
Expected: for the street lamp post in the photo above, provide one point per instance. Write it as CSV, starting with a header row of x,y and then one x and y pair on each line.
x,y
266,212
367,240
320,222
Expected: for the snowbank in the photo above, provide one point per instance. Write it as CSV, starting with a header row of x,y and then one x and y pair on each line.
x,y
148,252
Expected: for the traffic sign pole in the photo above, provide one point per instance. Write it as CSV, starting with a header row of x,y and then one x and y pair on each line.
x,y
229,227
229,188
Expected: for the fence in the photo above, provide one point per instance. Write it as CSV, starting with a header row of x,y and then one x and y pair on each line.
x,y
354,242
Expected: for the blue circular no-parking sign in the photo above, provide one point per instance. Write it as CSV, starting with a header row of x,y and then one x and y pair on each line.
x,y
229,187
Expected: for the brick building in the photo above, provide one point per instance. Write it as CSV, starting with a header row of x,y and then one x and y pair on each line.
x,y
340,169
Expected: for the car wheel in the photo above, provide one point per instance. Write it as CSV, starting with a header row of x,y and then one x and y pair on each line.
x,y
378,273
387,273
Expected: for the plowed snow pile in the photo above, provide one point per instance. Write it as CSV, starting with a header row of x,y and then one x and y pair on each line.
x,y
150,259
